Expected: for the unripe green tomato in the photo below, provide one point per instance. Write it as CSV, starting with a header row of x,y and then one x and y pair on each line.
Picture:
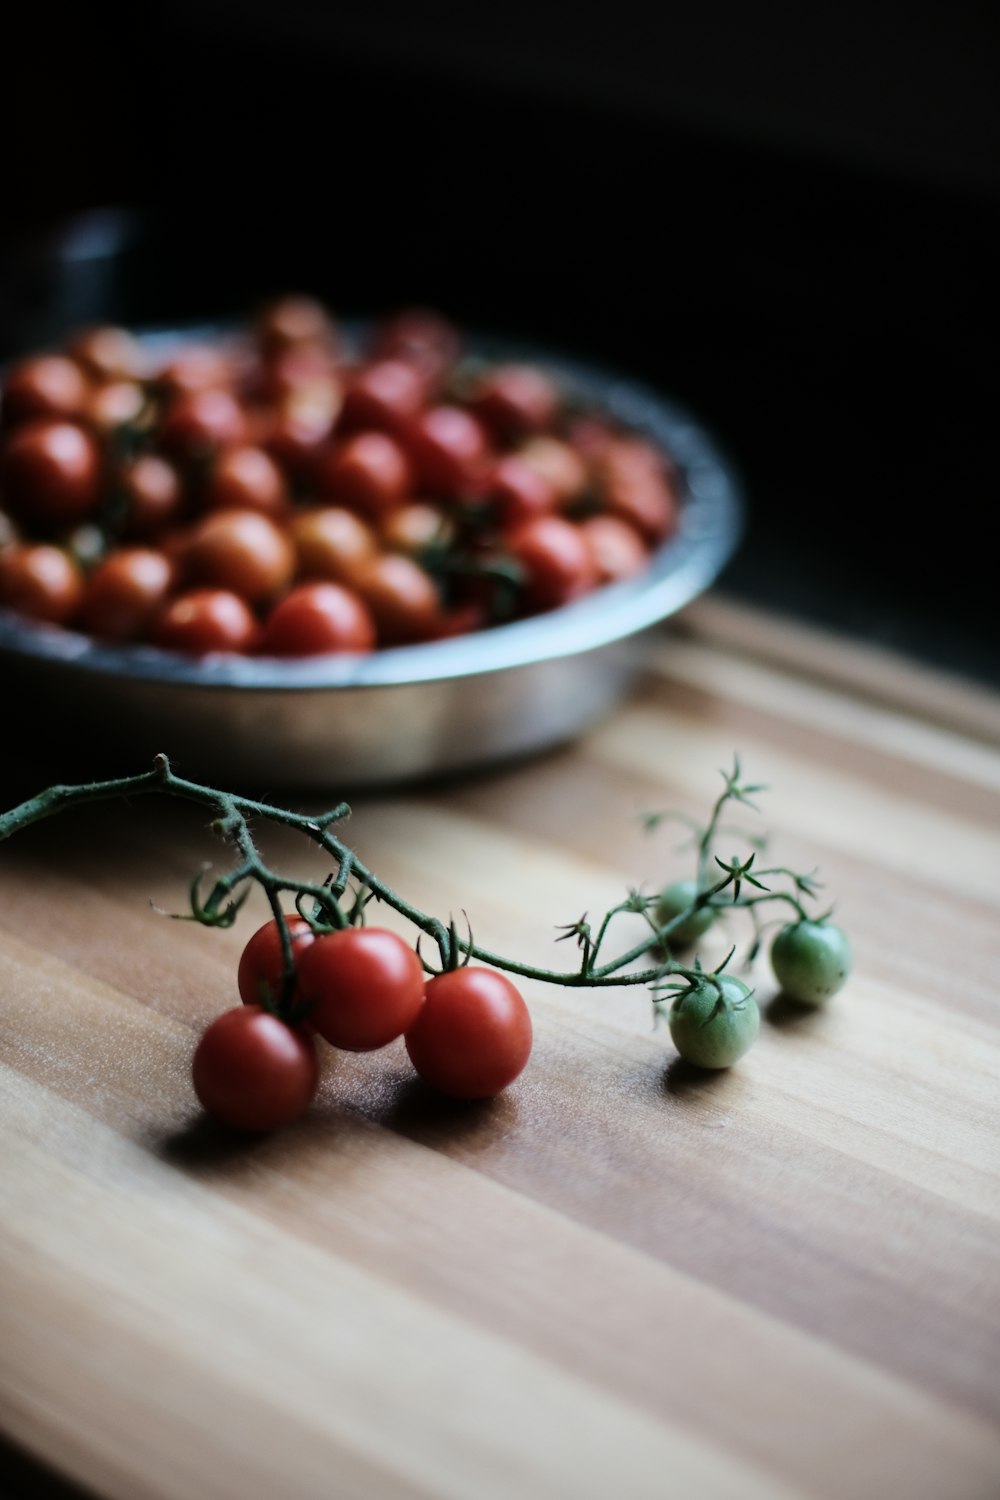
x,y
811,960
674,899
710,1032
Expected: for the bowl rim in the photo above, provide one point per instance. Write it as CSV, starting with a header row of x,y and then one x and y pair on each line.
x,y
709,530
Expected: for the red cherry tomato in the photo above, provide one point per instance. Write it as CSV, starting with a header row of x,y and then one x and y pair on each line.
x,y
261,972
125,593
203,621
331,543
240,550
51,473
247,479
449,449
107,353
636,485
153,494
402,597
292,322
415,526
296,432
369,472
386,395
515,400
518,492
365,984
560,464
617,548
116,403
199,367
253,1071
47,385
40,581
420,337
473,1036
558,564
316,618
200,423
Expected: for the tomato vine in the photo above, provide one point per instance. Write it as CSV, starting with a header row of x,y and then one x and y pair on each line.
x,y
713,1016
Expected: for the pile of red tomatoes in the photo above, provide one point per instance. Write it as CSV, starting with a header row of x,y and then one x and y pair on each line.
x,y
280,492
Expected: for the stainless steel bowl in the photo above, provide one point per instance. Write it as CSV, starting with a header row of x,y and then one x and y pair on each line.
x,y
399,714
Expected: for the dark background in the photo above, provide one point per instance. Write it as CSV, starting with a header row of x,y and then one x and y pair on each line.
x,y
783,216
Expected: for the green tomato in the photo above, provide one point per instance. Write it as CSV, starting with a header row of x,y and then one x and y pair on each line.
x,y
673,900
811,960
714,1031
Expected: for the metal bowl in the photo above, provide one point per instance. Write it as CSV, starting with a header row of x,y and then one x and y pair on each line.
x,y
402,713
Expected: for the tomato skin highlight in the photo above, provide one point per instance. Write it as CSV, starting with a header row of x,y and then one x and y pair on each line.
x,y
252,1071
365,987
261,972
473,1036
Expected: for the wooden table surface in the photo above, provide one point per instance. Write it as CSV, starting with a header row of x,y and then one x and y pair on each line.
x,y
622,1278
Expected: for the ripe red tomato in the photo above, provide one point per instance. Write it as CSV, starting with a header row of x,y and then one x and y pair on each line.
x,y
261,972
115,404
295,432
240,550
369,472
402,597
560,464
331,543
293,322
558,564
202,422
46,385
247,478
617,548
420,337
154,499
198,367
125,593
637,486
253,1071
414,526
51,473
515,400
40,581
107,353
203,621
386,395
473,1036
450,450
365,984
518,492
316,618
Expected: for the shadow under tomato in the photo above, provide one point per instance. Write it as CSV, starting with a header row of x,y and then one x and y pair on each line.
x,y
420,1113
206,1145
784,1012
683,1079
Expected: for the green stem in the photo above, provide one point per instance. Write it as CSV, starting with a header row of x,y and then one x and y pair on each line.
x,y
232,822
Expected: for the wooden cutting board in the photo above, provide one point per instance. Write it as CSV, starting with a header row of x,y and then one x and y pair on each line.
x,y
620,1279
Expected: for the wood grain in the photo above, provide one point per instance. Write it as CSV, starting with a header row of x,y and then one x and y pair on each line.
x,y
622,1277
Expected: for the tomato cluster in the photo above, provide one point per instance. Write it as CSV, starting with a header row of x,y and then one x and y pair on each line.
x,y
280,493
467,1030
